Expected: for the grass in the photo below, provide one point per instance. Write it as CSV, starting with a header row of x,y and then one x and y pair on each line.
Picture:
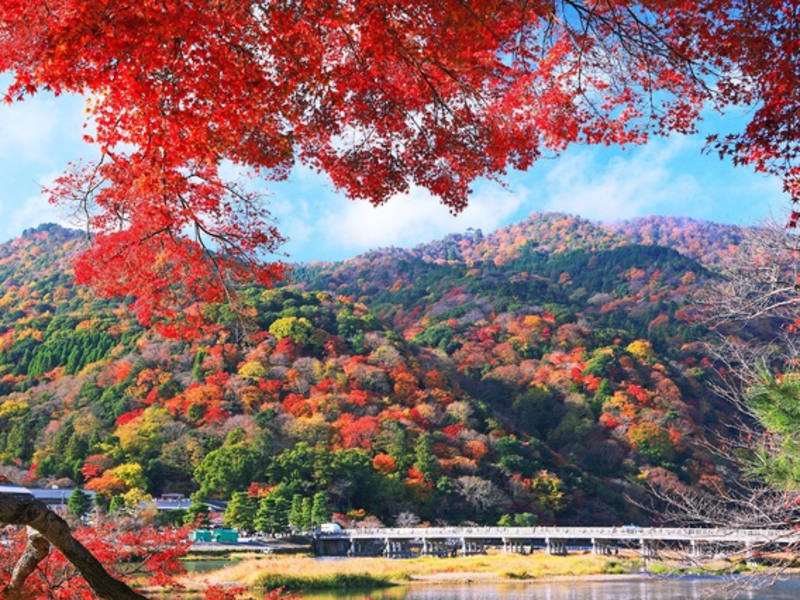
x,y
714,568
520,575
268,572
621,567
337,581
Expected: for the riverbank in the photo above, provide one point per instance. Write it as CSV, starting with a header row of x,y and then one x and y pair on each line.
x,y
306,573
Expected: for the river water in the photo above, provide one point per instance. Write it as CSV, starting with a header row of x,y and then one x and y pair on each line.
x,y
695,588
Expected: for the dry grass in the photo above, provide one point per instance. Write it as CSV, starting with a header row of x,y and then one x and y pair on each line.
x,y
429,569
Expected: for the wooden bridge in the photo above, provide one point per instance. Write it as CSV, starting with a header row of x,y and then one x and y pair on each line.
x,y
464,541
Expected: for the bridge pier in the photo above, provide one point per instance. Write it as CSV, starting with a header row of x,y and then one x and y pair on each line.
x,y
696,552
750,556
555,547
523,547
397,549
646,551
600,547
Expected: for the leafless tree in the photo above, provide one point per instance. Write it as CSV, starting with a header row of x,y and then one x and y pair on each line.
x,y
752,311
407,519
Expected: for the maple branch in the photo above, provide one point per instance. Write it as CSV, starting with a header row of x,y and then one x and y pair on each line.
x,y
23,509
35,552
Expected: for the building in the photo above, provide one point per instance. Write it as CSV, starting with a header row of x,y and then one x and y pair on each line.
x,y
16,490
56,496
220,536
53,497
180,502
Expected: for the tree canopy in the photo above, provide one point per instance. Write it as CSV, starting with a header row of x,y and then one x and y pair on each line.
x,y
379,96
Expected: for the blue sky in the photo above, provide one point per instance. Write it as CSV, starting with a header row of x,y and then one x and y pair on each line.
x,y
666,177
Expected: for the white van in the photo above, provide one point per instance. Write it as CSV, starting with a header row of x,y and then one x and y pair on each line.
x,y
330,528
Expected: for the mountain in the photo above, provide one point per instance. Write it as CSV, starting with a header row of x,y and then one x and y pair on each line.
x,y
541,370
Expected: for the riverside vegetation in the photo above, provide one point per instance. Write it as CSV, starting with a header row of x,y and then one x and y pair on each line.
x,y
365,573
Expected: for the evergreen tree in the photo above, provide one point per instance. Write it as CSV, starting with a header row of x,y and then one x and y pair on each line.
x,y
197,513
320,512
241,512
101,502
306,513
296,512
197,365
775,403
394,440
282,506
79,503
265,515
426,459
272,514
117,503
73,361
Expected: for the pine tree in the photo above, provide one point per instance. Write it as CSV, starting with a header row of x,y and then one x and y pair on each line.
x,y
73,361
264,521
397,445
320,512
426,459
79,503
282,507
306,513
775,403
197,365
241,512
197,513
296,512
118,503
272,514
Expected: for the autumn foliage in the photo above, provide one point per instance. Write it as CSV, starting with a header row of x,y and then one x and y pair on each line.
x,y
484,385
380,96
145,554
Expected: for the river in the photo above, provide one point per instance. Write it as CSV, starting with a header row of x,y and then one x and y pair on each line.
x,y
695,588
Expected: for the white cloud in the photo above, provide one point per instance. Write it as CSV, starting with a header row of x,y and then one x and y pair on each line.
x,y
28,129
624,187
664,177
415,217
34,211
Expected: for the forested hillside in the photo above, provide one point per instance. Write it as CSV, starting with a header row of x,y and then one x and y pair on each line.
x,y
541,371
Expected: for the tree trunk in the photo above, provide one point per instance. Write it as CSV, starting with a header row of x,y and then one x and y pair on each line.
x,y
23,509
35,552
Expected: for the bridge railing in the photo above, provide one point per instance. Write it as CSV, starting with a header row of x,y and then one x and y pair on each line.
x,y
623,532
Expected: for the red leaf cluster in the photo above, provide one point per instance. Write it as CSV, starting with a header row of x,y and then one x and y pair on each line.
x,y
380,96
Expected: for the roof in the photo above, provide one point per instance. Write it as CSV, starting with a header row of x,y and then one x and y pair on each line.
x,y
15,489
183,504
55,494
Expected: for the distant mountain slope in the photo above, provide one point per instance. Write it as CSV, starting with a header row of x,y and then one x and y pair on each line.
x,y
704,241
539,369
